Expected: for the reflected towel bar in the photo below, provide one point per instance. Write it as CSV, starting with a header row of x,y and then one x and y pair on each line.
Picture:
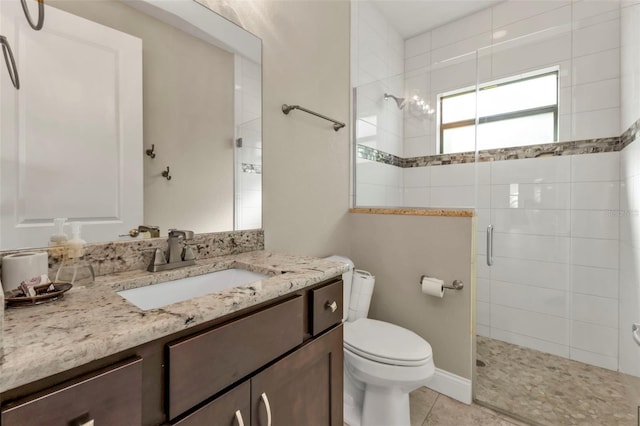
x,y
337,125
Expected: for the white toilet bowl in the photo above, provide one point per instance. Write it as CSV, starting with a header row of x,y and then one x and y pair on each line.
x,y
383,363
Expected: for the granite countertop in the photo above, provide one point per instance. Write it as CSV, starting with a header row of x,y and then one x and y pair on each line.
x,y
92,322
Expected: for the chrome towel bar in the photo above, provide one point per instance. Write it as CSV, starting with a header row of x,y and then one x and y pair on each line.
x,y
337,125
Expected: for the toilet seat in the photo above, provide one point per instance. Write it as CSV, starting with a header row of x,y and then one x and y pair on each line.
x,y
386,343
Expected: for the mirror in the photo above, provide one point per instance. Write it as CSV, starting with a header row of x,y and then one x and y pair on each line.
x,y
130,112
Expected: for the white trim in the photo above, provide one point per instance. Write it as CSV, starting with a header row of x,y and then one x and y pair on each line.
x,y
451,385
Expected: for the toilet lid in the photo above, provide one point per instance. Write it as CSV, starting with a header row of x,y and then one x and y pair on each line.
x,y
386,343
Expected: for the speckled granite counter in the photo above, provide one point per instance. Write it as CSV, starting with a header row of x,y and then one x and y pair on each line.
x,y
414,212
93,322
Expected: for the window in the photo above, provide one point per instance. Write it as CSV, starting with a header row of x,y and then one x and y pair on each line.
x,y
518,112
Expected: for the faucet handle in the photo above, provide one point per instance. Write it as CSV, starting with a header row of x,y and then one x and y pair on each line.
x,y
176,233
158,256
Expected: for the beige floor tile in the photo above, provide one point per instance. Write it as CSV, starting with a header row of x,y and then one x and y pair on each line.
x,y
449,412
421,400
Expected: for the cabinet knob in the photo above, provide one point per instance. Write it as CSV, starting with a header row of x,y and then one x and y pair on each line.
x,y
239,418
331,305
265,400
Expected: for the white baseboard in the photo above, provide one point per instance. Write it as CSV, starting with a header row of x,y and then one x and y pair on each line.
x,y
453,386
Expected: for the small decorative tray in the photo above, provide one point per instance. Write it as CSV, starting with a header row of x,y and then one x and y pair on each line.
x,y
17,299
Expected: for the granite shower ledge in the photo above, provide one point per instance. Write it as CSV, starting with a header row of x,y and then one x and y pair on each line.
x,y
94,322
414,212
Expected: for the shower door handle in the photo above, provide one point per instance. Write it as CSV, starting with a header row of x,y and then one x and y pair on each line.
x,y
489,245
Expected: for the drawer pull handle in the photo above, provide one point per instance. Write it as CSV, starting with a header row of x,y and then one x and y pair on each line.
x,y
333,306
265,400
239,418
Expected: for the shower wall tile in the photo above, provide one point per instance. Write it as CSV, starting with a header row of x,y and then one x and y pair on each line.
x,y
554,196
532,221
461,29
533,247
483,313
595,338
596,38
508,12
532,273
595,124
598,66
484,291
549,328
595,281
592,358
528,298
595,310
417,197
531,342
547,24
595,195
531,170
596,96
594,252
418,44
596,167
463,196
595,224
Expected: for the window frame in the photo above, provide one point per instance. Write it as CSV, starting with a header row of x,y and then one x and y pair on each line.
x,y
503,116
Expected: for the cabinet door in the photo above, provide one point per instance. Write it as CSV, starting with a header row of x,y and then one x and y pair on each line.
x,y
231,409
303,388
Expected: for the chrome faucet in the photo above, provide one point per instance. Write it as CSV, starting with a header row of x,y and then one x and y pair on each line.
x,y
176,257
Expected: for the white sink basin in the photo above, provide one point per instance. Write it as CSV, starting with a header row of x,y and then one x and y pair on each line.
x,y
163,294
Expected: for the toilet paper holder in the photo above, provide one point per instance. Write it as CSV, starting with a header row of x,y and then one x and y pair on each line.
x,y
455,285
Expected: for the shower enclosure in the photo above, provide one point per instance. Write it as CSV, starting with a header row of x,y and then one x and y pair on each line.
x,y
529,127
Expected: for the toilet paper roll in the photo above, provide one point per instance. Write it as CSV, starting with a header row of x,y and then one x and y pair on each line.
x,y
19,267
432,286
361,293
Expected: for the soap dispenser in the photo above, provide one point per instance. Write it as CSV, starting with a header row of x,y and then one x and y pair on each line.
x,y
74,269
59,238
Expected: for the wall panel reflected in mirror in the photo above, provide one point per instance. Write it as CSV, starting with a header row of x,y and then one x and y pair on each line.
x,y
103,82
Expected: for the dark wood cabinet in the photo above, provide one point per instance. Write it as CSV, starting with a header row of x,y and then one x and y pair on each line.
x,y
304,387
282,359
111,396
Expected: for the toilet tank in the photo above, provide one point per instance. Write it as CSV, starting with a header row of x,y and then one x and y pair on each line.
x,y
347,278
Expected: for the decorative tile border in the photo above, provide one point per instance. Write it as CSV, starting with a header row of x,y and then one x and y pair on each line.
x,y
587,146
252,168
122,256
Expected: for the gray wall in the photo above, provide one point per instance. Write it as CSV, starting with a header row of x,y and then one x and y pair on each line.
x,y
398,250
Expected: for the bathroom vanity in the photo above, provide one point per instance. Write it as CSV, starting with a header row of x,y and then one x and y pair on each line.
x,y
268,352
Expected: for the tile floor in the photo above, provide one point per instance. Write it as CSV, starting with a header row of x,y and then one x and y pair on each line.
x,y
429,408
553,391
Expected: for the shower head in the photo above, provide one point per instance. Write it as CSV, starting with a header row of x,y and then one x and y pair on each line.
x,y
399,101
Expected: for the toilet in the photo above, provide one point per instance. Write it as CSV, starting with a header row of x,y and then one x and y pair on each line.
x,y
383,362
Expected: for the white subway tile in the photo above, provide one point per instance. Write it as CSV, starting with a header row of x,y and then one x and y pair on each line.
x,y
531,196
598,66
368,195
532,170
535,299
455,75
483,313
565,101
530,221
461,29
602,123
529,55
595,196
550,23
594,224
595,167
483,196
483,330
597,95
532,324
419,146
533,247
595,338
462,47
481,242
582,10
532,273
531,342
417,45
483,291
417,62
603,361
594,252
596,38
416,197
510,11
417,177
630,161
453,196
453,174
483,219
595,310
482,269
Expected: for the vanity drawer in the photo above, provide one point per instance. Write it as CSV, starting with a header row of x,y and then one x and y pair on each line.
x,y
326,307
111,396
222,410
202,365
